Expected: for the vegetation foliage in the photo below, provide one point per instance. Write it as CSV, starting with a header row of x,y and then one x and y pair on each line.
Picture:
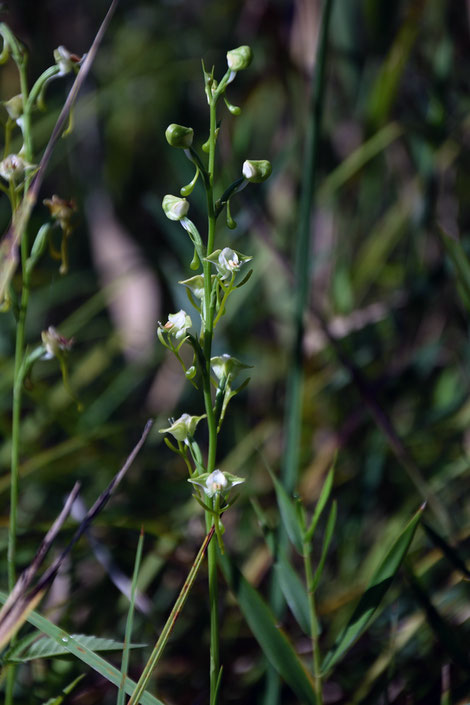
x,y
344,576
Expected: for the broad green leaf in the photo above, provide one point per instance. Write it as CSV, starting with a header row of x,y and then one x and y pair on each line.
x,y
262,622
373,596
320,505
50,648
289,514
92,659
330,527
294,592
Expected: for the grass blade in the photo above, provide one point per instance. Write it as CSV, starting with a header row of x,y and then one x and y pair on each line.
x,y
263,624
170,623
289,515
294,592
373,596
320,505
130,620
330,527
85,654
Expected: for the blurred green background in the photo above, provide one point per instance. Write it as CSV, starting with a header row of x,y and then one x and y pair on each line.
x,y
386,348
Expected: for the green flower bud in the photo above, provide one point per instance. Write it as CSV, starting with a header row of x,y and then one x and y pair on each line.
x,y
225,365
14,107
175,208
179,136
240,58
256,170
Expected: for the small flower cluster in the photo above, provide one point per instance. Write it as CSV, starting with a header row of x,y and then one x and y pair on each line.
x,y
208,291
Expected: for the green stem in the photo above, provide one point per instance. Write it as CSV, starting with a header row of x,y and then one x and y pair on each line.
x,y
214,666
316,657
170,623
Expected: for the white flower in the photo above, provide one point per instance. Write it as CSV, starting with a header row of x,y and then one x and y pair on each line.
x,y
13,168
216,482
177,324
65,60
256,170
195,285
228,261
54,343
183,428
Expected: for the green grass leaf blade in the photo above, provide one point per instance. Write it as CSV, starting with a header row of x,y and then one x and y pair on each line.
x,y
330,527
262,622
289,515
130,620
374,594
461,265
66,691
320,505
294,592
85,654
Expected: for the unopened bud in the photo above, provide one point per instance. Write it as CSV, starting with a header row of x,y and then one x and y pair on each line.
x,y
240,58
175,208
179,136
14,107
256,170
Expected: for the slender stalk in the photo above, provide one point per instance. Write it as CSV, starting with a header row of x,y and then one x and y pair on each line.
x,y
214,665
170,623
316,656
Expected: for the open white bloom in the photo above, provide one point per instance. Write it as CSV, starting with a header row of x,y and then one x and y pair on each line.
x,y
177,324
183,428
216,482
65,60
54,343
13,168
228,261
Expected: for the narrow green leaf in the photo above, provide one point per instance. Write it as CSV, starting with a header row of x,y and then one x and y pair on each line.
x,y
294,592
461,265
85,654
289,515
262,622
322,500
373,596
66,691
49,648
330,527
130,620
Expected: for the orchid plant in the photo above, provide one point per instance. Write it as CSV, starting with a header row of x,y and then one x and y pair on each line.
x,y
219,272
